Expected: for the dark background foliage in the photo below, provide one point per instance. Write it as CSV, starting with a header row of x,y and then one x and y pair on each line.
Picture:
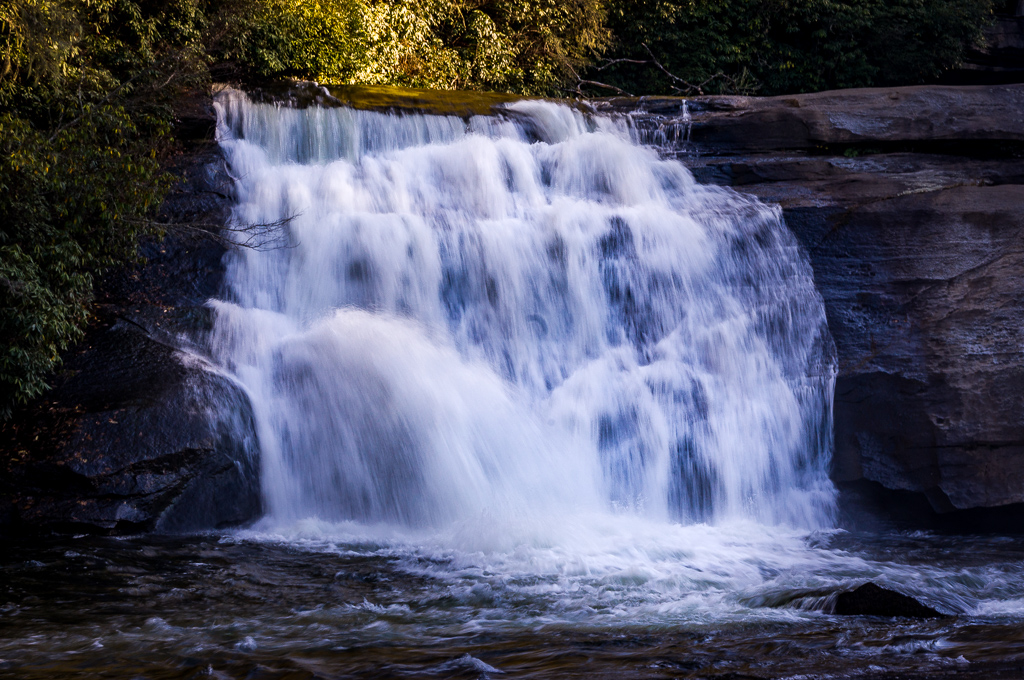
x,y
786,46
85,106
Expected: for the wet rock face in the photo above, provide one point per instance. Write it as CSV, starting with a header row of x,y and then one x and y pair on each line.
x,y
139,434
915,232
140,438
872,600
932,312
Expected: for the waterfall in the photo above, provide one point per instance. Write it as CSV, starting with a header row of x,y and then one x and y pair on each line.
x,y
524,314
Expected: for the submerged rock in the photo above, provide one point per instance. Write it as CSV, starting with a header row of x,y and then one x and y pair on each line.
x,y
873,600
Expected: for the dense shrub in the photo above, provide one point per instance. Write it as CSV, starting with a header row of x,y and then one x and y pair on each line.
x,y
304,38
72,206
85,93
782,46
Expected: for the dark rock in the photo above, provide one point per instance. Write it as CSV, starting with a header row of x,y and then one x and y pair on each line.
x,y
872,600
140,437
923,298
867,506
922,294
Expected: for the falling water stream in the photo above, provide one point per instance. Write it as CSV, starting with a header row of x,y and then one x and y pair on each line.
x,y
522,319
531,401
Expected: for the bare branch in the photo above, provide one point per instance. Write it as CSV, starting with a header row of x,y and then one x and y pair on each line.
x,y
681,86
689,86
612,62
594,83
254,236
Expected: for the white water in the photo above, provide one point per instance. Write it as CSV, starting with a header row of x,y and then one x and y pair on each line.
x,y
519,333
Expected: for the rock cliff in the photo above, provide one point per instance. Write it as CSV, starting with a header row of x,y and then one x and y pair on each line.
x,y
910,203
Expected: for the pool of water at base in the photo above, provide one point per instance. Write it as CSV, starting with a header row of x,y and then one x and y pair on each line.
x,y
243,605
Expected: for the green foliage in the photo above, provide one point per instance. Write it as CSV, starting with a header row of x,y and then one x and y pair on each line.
x,y
541,46
303,38
84,111
525,46
69,205
783,46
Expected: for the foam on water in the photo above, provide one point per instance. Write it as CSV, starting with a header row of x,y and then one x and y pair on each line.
x,y
612,570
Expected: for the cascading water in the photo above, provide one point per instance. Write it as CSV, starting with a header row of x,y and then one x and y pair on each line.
x,y
525,314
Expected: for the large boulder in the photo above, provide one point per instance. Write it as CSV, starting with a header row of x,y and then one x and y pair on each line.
x,y
141,437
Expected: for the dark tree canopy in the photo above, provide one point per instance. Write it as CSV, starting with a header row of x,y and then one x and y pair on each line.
x,y
786,46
